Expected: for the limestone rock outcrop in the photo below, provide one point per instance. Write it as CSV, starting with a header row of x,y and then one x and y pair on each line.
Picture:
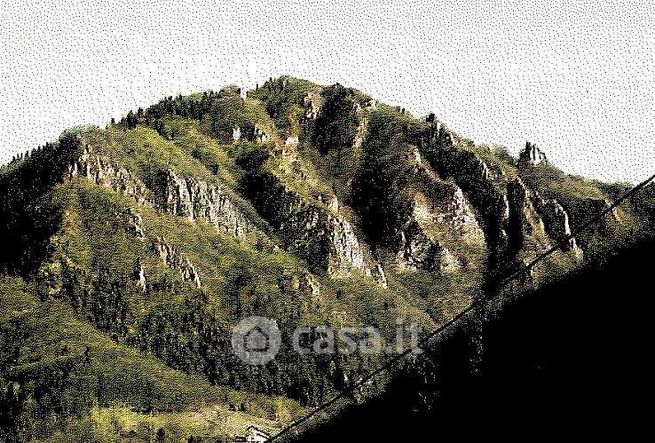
x,y
174,259
556,221
532,155
417,250
140,276
303,282
136,225
195,199
188,197
312,104
509,212
101,171
315,229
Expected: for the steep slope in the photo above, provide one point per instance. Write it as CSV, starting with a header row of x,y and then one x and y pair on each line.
x,y
426,199
306,204
62,379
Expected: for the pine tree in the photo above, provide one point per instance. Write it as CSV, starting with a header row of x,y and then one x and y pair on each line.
x,y
131,120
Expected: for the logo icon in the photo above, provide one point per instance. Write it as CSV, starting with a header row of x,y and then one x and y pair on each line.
x,y
256,340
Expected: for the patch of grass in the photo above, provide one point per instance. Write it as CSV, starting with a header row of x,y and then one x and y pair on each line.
x,y
282,98
554,183
111,375
232,111
188,136
497,157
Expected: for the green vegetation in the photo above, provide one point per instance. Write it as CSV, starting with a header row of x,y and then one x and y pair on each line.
x,y
57,370
583,200
116,312
187,135
499,158
336,125
283,100
232,112
25,221
93,267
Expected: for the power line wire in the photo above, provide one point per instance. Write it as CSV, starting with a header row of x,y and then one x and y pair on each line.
x,y
526,268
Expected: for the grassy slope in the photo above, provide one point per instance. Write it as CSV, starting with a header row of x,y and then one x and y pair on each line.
x,y
333,169
116,380
94,235
191,154
410,296
237,279
364,303
282,99
583,199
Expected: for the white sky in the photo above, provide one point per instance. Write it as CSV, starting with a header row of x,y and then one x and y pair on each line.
x,y
577,78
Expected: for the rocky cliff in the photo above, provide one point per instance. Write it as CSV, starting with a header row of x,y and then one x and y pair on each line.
x,y
307,204
195,199
188,197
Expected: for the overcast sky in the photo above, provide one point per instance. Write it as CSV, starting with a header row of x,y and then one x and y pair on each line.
x,y
577,78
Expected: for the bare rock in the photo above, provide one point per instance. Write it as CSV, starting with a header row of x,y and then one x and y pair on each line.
x,y
236,133
532,155
102,172
556,221
172,258
195,199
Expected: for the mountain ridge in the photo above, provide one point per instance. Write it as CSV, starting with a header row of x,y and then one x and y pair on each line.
x,y
304,203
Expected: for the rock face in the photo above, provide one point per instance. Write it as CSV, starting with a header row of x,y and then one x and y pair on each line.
x,y
195,199
313,229
260,135
408,210
435,226
430,217
361,133
291,141
532,155
522,218
249,133
346,253
189,272
474,177
378,275
535,215
102,172
172,258
140,276
236,134
460,216
324,238
452,200
417,250
556,221
509,212
190,198
304,283
312,103
136,226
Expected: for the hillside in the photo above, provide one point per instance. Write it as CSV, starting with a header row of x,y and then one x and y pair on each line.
x,y
131,251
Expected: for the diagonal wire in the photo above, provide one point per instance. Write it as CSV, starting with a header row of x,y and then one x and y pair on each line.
x,y
632,191
526,268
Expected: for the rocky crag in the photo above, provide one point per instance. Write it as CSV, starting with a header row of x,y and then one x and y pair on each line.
x,y
303,203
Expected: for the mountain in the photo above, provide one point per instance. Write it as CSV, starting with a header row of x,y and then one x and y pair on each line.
x,y
542,365
130,252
